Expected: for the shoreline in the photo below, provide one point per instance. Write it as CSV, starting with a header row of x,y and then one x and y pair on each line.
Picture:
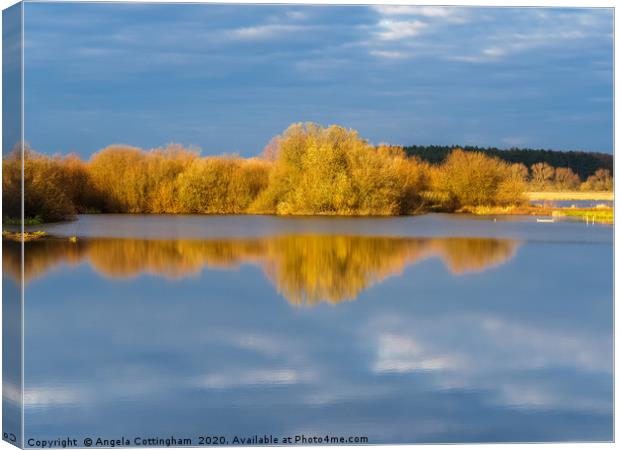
x,y
601,215
569,195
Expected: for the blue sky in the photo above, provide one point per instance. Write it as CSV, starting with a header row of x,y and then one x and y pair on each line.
x,y
226,78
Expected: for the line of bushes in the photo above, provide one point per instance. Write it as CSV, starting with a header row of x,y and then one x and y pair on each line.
x,y
584,164
544,177
308,169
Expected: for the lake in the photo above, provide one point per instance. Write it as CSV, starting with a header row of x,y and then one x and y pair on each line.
x,y
573,203
435,328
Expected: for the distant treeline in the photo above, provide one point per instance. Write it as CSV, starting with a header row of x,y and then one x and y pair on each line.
x,y
308,170
584,164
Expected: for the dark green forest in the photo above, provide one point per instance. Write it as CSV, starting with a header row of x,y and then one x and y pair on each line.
x,y
583,164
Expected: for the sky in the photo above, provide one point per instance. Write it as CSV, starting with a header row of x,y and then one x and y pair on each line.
x,y
227,78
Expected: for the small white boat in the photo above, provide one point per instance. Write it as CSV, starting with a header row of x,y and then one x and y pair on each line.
x,y
545,220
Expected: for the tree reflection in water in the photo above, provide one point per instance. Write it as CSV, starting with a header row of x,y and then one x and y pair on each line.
x,y
306,269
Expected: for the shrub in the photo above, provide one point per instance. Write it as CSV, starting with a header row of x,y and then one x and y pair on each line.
x,y
566,179
221,185
600,181
135,181
474,179
333,171
12,185
119,173
45,193
542,176
308,169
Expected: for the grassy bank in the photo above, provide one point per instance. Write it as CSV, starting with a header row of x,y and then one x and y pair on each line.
x,y
570,195
27,221
598,215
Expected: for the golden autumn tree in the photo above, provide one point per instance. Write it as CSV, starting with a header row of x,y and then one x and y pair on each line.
x,y
333,171
474,179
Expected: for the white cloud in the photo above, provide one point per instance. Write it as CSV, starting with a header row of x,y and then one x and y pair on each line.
x,y
388,54
391,30
490,353
436,11
390,10
447,14
494,51
399,353
11,393
297,15
255,378
46,396
541,32
264,31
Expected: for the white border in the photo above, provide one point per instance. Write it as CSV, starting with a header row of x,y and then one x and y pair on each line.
x,y
484,3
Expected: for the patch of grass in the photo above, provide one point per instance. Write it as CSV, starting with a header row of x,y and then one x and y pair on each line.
x,y
36,220
508,210
598,215
601,215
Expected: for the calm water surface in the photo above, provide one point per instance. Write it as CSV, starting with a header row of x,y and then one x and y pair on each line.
x,y
436,328
574,203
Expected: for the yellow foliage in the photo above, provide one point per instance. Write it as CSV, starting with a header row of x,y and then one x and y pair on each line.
x,y
306,269
333,171
309,169
47,193
474,179
136,181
